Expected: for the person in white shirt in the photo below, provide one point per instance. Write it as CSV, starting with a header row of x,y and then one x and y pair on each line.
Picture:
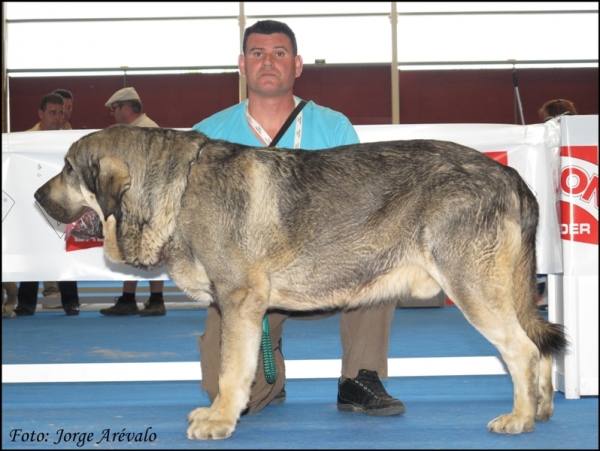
x,y
126,107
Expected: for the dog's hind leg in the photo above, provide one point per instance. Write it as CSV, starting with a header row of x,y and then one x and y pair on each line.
x,y
522,357
496,319
242,313
546,391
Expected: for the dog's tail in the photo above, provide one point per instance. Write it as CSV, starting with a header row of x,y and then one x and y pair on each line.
x,y
548,337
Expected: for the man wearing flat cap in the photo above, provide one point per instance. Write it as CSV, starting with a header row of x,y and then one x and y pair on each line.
x,y
126,107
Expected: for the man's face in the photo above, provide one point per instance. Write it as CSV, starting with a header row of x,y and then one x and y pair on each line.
x,y
68,110
269,66
116,109
52,118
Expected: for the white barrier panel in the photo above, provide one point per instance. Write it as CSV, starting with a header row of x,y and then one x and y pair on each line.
x,y
532,150
577,289
33,246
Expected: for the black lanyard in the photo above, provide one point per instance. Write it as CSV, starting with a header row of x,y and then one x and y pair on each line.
x,y
287,123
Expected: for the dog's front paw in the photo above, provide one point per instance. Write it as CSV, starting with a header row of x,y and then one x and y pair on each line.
x,y
199,414
209,429
511,424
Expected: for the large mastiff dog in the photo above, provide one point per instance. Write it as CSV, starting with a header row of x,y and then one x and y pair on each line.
x,y
258,228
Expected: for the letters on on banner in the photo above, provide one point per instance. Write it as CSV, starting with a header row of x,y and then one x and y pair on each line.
x,y
579,194
579,185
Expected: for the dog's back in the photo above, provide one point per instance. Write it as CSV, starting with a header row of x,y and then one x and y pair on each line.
x,y
337,220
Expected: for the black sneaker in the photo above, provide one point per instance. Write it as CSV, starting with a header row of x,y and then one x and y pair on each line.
x,y
72,311
20,311
121,308
154,307
280,397
366,394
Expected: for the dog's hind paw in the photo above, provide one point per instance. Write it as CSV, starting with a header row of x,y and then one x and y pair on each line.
x,y
510,424
545,409
199,414
205,430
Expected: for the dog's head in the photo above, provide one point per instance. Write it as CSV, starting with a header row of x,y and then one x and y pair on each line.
x,y
93,177
99,186
133,179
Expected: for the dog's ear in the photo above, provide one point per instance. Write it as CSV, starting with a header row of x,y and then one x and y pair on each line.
x,y
112,180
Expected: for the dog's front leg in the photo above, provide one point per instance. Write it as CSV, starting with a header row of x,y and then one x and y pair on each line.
x,y
241,329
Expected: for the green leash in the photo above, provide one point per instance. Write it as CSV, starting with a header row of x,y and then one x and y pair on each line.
x,y
267,350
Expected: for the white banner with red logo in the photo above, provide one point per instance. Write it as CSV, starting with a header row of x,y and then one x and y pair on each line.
x,y
33,245
579,194
577,289
532,150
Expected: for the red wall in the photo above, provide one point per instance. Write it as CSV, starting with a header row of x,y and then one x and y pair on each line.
x,y
176,101
487,96
360,92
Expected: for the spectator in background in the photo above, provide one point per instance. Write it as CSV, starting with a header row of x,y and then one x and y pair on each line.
x,y
68,111
126,107
51,113
550,110
27,297
554,108
51,288
8,305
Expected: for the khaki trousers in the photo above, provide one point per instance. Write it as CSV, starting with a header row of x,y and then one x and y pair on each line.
x,y
364,332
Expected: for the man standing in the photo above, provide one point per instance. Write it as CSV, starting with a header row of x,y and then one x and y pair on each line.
x,y
51,118
126,107
68,98
51,288
271,64
51,113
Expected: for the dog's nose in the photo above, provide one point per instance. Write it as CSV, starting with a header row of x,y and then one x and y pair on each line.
x,y
38,196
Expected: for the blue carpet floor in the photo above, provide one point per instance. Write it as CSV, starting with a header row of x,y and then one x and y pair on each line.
x,y
448,412
53,337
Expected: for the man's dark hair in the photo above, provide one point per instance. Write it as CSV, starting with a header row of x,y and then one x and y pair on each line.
x,y
51,98
135,105
270,27
65,94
